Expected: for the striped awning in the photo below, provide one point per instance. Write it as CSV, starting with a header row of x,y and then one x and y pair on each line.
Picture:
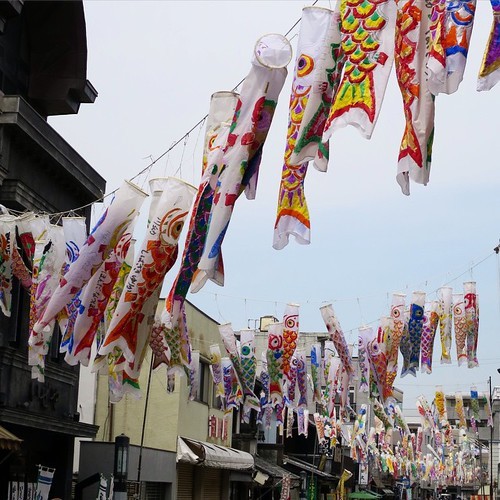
x,y
196,452
9,441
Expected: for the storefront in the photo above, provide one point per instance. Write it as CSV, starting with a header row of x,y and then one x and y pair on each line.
x,y
217,471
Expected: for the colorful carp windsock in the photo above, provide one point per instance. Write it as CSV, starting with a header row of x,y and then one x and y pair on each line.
x,y
337,337
160,348
193,373
49,271
216,369
109,361
487,409
248,369
100,243
332,383
460,410
315,371
94,300
243,151
439,401
381,414
220,114
377,358
7,232
460,326
367,41
155,258
489,74
446,68
364,336
22,248
46,277
40,249
316,77
474,406
445,298
405,345
232,387
411,55
415,324
290,335
397,316
301,377
244,362
265,408
274,362
429,328
75,235
472,322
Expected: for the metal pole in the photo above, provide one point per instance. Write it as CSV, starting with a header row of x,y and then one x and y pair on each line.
x,y
139,464
491,442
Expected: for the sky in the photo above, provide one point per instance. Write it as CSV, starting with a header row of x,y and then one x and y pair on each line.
x,y
155,66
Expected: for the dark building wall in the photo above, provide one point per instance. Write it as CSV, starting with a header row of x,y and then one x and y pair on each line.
x,y
43,58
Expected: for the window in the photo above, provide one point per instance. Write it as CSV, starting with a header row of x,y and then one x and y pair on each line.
x,y
204,382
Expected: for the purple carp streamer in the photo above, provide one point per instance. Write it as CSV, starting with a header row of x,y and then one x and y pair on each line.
x,y
301,377
232,388
471,322
365,335
291,382
447,66
431,320
489,74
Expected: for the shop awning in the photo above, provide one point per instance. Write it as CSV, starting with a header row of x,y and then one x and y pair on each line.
x,y
272,470
364,495
300,464
205,454
9,441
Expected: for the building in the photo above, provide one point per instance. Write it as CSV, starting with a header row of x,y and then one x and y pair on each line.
x,y
42,73
486,440
322,465
179,448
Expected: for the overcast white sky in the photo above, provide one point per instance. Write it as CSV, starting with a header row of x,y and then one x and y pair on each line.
x,y
155,65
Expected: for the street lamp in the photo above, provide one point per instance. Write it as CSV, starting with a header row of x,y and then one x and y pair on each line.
x,y
303,485
122,443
